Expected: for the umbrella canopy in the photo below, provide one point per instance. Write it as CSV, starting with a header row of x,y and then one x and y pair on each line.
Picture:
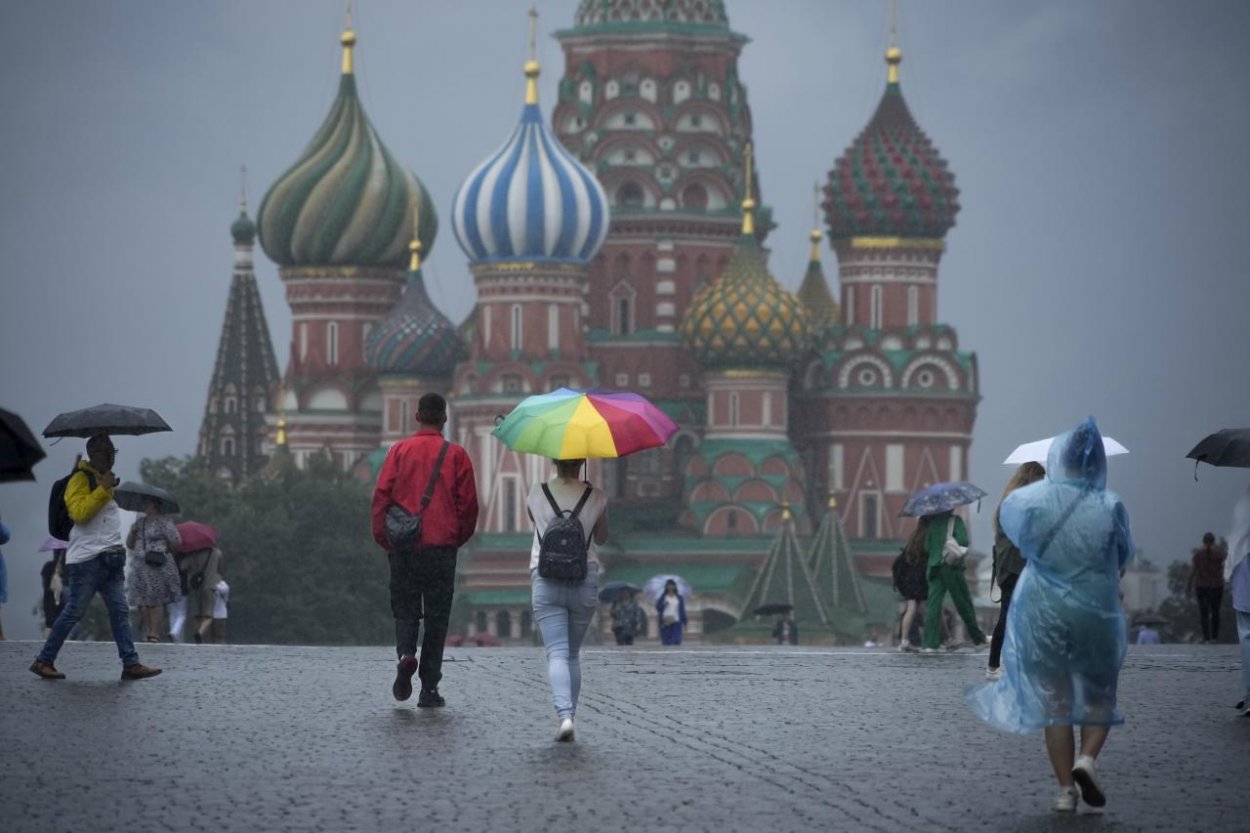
x,y
51,544
613,590
134,497
1230,447
941,497
1038,450
19,450
196,536
570,424
654,588
106,419
772,609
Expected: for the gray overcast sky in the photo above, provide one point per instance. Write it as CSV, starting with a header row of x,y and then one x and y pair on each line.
x,y
1096,267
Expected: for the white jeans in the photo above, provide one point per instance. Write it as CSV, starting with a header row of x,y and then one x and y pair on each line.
x,y
563,613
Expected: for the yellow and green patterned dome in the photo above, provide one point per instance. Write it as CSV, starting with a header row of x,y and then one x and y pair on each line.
x,y
346,201
746,319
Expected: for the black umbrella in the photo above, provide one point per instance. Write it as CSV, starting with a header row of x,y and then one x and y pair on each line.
x,y
772,609
1230,447
134,497
613,590
19,450
106,419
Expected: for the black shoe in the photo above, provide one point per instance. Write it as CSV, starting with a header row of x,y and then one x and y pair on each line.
x,y
430,698
402,687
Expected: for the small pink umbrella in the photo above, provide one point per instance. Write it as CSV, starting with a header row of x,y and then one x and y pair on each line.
x,y
196,536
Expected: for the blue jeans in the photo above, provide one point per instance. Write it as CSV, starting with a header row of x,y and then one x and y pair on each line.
x,y
85,580
563,612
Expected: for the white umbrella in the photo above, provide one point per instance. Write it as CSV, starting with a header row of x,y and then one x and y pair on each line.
x,y
654,588
1039,451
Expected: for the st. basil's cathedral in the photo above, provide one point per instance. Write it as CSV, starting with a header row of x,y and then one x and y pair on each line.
x,y
622,245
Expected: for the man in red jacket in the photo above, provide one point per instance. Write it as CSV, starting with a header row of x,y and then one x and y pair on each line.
x,y
423,577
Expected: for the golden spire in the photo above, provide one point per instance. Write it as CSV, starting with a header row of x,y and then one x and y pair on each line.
x,y
348,40
280,440
531,66
816,233
833,501
748,204
893,55
414,262
785,510
243,188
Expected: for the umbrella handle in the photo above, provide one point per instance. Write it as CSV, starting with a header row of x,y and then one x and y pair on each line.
x,y
1196,470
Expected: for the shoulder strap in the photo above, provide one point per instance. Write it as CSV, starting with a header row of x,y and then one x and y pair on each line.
x,y
1063,519
438,465
577,510
950,527
552,500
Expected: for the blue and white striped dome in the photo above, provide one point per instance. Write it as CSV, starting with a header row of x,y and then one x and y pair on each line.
x,y
530,200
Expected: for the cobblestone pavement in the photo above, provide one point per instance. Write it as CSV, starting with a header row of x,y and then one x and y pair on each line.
x,y
236,738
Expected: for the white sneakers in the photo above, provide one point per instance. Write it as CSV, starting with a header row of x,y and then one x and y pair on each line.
x,y
1086,777
1065,801
994,673
565,732
905,646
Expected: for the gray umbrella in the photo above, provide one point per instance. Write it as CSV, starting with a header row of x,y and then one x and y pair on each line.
x,y
134,497
1230,447
106,419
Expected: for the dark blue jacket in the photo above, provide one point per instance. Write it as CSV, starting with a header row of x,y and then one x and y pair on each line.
x,y
662,602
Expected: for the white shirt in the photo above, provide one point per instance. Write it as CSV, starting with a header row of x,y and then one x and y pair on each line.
x,y
567,493
102,532
221,595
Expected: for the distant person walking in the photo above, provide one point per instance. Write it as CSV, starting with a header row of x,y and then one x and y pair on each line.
x,y
671,606
1148,636
1066,636
908,570
628,620
221,611
563,609
946,578
427,476
154,577
96,561
1206,582
1008,564
201,571
785,631
1237,569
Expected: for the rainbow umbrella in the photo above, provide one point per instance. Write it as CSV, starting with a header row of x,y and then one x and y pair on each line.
x,y
569,424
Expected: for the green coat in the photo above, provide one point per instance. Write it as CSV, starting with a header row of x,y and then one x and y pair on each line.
x,y
935,540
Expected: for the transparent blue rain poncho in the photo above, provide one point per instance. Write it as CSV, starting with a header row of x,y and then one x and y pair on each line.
x,y
1065,628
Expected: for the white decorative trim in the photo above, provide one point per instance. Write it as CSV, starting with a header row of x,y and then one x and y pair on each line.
x,y
887,374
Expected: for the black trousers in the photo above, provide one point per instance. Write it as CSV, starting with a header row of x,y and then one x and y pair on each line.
x,y
1209,599
422,585
1000,627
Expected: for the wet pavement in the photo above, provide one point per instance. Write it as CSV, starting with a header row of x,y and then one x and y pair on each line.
x,y
236,738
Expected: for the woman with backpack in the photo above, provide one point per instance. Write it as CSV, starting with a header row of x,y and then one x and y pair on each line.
x,y
154,580
910,582
563,603
1008,564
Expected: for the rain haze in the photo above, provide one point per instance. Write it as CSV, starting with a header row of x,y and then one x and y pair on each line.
x,y
1095,268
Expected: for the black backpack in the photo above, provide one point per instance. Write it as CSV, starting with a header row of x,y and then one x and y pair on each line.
x,y
563,544
59,521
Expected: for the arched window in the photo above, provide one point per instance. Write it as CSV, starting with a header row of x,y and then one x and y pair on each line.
x,y
629,195
694,197
874,315
553,326
622,300
231,404
516,327
731,521
227,446
527,623
405,414
913,306
733,408
479,620
332,342
503,624
849,306
768,409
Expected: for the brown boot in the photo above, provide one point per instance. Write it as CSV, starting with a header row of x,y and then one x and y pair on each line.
x,y
139,672
46,670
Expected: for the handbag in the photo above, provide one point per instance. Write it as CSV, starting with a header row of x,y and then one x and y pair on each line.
x,y
403,528
953,553
152,558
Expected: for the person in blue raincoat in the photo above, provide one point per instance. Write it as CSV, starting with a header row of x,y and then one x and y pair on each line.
x,y
672,609
1065,633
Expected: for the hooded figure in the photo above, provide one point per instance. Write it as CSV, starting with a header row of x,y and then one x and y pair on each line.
x,y
1066,633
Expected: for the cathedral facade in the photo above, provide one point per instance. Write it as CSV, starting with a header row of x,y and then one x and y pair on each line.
x,y
621,244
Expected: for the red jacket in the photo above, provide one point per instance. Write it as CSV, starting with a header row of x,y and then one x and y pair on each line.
x,y
452,515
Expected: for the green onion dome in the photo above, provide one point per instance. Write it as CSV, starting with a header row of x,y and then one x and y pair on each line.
x,y
891,182
243,230
345,201
415,338
746,319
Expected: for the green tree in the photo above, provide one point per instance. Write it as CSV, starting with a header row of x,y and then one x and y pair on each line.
x,y
296,550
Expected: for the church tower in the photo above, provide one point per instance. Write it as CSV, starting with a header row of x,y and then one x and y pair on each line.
x,y
338,224
889,400
652,103
233,435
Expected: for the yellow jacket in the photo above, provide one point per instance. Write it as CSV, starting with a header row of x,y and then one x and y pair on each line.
x,y
82,501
